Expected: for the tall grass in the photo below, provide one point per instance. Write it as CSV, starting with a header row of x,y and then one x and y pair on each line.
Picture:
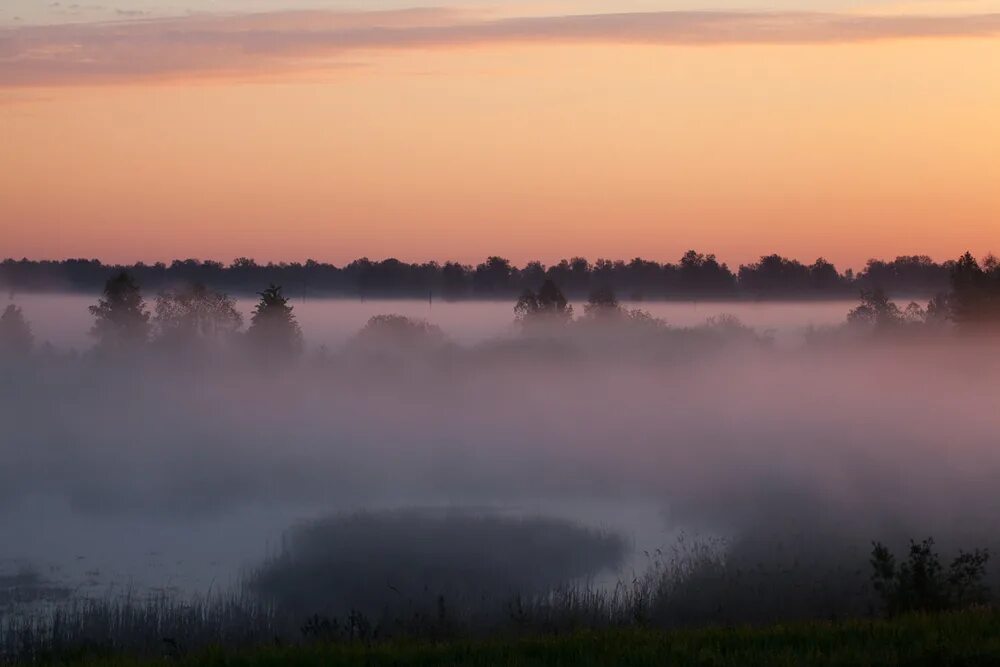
x,y
697,583
148,625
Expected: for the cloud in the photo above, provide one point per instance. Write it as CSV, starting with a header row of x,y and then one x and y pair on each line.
x,y
286,41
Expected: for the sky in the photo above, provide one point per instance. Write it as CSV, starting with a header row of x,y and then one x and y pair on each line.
x,y
285,130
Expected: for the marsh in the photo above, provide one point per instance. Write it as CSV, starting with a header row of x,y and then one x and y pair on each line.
x,y
162,475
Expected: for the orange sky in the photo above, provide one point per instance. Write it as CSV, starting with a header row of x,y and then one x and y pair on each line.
x,y
527,148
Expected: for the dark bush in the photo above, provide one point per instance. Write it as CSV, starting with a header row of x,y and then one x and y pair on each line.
x,y
920,583
399,562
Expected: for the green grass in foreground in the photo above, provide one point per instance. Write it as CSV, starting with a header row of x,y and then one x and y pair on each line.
x,y
962,638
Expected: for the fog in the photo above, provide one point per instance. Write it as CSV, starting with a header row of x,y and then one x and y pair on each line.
x,y
63,320
160,472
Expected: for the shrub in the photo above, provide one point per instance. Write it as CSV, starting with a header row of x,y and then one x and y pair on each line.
x,y
920,583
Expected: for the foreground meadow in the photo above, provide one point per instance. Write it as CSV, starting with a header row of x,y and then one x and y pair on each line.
x,y
956,638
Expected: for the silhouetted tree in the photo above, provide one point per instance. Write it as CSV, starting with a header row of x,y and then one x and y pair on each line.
x,y
906,274
532,275
921,583
16,338
195,315
643,278
939,309
527,305
398,331
454,280
273,330
606,273
704,274
602,304
823,276
493,278
975,292
121,320
243,264
913,314
552,301
876,310
775,274
547,305
579,275
728,325
694,275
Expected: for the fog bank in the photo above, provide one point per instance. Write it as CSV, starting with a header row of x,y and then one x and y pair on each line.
x,y
716,434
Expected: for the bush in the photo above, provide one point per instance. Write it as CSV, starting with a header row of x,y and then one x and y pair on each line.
x,y
390,563
920,583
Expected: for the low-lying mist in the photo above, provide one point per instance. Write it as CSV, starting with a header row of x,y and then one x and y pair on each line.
x,y
728,433
712,429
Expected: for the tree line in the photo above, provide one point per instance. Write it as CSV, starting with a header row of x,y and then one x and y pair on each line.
x,y
193,318
695,275
198,317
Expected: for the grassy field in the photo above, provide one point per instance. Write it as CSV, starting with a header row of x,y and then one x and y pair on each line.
x,y
956,638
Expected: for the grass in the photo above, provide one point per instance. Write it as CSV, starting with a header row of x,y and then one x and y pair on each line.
x,y
695,586
702,605
970,637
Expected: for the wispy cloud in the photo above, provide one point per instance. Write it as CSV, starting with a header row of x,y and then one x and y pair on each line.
x,y
280,41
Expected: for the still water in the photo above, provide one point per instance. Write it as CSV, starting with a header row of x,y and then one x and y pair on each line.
x,y
93,553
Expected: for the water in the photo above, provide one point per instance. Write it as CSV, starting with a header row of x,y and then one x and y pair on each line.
x,y
93,554
98,555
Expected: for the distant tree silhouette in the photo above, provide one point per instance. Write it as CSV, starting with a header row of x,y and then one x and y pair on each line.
x,y
526,306
695,275
195,315
16,338
726,323
975,292
579,275
823,276
493,277
243,264
398,331
273,331
558,273
552,301
939,309
606,273
455,280
876,310
547,305
645,279
905,274
704,274
776,274
121,320
602,304
914,313
532,275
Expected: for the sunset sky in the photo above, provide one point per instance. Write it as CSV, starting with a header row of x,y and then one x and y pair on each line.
x,y
286,130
